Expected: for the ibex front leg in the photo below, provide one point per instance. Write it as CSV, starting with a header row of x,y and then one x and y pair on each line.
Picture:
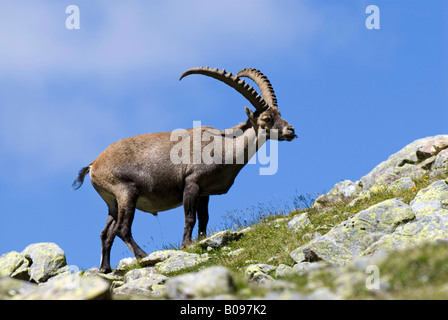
x,y
190,201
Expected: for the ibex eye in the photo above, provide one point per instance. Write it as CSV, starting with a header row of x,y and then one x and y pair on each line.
x,y
266,119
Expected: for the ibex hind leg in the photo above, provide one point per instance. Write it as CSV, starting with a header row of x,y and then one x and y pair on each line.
x,y
202,216
126,211
190,202
108,235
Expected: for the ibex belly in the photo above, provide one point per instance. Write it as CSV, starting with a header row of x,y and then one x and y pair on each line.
x,y
158,203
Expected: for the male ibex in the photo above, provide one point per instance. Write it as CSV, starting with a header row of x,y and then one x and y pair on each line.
x,y
138,172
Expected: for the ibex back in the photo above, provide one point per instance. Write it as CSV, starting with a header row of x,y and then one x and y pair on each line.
x,y
138,172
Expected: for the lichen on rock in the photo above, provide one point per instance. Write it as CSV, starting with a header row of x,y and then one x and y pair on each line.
x,y
14,265
180,260
299,222
431,199
426,229
350,238
208,282
46,259
340,193
401,184
220,239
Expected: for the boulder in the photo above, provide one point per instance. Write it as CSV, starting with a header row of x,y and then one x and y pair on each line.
x,y
158,256
45,258
301,268
401,184
431,199
220,239
341,192
208,282
163,261
440,165
393,174
149,261
180,260
299,222
141,282
143,287
138,274
431,148
259,272
390,224
407,155
283,271
428,228
14,265
69,287
350,238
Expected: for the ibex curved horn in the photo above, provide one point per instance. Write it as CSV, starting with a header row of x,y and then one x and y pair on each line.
x,y
236,83
263,83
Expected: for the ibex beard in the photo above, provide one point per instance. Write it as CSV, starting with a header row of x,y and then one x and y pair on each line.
x,y
208,145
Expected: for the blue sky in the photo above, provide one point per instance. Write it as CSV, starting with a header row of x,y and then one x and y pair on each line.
x,y
354,95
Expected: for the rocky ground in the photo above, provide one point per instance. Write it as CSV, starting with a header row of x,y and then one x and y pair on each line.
x,y
384,237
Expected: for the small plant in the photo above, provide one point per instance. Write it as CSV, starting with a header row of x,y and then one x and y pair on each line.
x,y
304,202
237,219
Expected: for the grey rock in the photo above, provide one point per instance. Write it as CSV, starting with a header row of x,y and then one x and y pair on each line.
x,y
259,272
210,281
406,156
440,165
426,229
401,184
431,199
441,160
130,290
69,287
350,238
14,265
220,239
46,258
138,273
299,222
283,270
342,192
180,260
141,283
409,171
9,288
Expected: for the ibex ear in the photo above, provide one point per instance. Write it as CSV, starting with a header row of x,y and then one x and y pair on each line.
x,y
250,114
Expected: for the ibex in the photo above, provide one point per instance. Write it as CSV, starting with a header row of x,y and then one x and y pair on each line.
x,y
138,172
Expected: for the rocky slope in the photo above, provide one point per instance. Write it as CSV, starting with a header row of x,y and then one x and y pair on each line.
x,y
384,236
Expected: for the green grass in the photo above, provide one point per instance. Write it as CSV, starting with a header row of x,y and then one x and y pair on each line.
x,y
267,240
415,273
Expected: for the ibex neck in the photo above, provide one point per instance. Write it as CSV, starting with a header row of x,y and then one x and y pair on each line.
x,y
246,142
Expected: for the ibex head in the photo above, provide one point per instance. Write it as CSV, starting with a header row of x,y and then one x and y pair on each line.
x,y
267,116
